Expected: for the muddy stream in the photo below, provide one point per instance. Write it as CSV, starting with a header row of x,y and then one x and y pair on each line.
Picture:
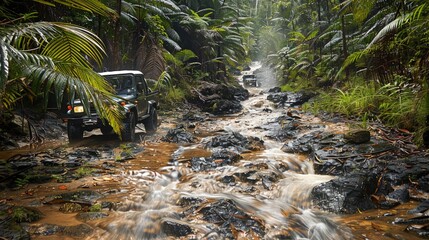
x,y
170,191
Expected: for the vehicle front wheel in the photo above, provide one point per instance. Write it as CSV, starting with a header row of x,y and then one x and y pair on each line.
x,y
74,131
106,130
128,133
151,123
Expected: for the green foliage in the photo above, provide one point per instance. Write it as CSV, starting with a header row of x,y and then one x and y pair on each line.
x,y
22,214
287,88
95,208
83,172
39,58
397,105
174,96
127,151
21,182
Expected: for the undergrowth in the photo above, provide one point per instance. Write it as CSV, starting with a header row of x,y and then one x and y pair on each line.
x,y
396,105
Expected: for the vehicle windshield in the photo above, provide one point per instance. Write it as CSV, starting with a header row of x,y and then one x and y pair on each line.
x,y
122,84
248,76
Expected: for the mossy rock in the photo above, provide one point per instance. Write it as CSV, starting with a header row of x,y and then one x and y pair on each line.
x,y
24,214
357,136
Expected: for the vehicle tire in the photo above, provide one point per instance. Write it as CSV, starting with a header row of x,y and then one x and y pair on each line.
x,y
74,131
151,123
106,130
128,133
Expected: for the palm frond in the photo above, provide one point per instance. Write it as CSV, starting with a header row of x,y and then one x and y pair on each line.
x,y
75,44
397,23
171,42
94,6
4,64
80,82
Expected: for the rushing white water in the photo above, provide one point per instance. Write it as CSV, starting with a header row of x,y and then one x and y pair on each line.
x,y
279,204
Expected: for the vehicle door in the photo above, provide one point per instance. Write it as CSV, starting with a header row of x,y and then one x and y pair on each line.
x,y
142,91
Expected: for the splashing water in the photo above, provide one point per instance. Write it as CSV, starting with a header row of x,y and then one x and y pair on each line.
x,y
266,195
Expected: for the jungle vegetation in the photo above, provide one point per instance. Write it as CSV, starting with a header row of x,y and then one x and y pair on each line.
x,y
366,57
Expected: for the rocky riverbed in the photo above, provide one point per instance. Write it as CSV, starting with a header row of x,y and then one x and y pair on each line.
x,y
236,164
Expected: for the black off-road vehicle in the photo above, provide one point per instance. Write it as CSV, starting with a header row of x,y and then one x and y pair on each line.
x,y
138,100
250,80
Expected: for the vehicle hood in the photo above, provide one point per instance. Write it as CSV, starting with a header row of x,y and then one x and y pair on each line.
x,y
117,98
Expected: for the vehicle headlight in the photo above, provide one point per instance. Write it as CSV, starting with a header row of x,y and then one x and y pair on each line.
x,y
78,109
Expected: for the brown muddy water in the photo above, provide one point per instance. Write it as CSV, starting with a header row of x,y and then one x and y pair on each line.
x,y
149,187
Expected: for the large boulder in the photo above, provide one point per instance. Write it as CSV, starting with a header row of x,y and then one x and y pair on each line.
x,y
218,99
348,194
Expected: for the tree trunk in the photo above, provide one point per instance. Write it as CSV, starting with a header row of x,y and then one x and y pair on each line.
x,y
344,40
116,63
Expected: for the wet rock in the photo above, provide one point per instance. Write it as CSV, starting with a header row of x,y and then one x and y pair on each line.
x,y
267,183
43,229
89,216
421,231
401,195
278,97
357,136
83,154
424,183
275,90
402,170
218,98
85,197
236,141
240,93
11,230
78,231
228,179
175,229
329,167
193,117
54,170
348,194
70,208
300,97
389,204
287,128
225,214
186,201
6,142
303,144
222,106
335,157
23,161
413,220
255,144
50,162
107,204
250,176
178,135
422,207
13,217
25,214
202,164
72,164
219,158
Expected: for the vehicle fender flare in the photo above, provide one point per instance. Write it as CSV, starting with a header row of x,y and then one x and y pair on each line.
x,y
152,104
132,109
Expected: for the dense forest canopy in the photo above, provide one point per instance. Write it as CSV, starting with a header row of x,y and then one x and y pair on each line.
x,y
373,52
